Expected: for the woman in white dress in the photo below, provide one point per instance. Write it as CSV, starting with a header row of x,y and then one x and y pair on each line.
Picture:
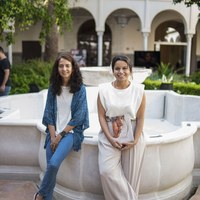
x,y
121,108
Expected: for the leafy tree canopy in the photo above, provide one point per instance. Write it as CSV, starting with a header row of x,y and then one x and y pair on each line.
x,y
188,2
25,13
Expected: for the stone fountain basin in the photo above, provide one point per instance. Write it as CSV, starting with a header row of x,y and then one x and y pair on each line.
x,y
169,158
93,76
166,172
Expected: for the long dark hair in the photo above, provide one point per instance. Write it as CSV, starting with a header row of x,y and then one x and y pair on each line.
x,y
2,50
75,81
122,58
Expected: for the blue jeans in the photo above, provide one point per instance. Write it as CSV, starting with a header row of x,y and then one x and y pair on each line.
x,y
6,92
54,161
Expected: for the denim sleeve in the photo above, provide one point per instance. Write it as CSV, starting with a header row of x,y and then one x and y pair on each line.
x,y
79,109
49,112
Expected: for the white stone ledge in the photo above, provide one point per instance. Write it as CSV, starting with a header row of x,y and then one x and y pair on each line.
x,y
19,122
20,172
163,184
168,162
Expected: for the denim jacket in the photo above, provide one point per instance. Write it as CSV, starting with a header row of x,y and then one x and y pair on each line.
x,y
79,112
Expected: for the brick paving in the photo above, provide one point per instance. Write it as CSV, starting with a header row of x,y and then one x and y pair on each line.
x,y
196,196
25,190
17,190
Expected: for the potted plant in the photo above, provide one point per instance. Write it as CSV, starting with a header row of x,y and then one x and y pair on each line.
x,y
166,74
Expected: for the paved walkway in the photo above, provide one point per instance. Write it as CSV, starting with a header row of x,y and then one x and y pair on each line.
x,y
196,196
17,190
25,190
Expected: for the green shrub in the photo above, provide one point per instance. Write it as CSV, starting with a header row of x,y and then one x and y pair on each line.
x,y
38,72
157,77
165,72
152,84
33,71
181,84
195,77
189,88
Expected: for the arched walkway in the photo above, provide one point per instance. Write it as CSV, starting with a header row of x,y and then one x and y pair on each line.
x,y
170,40
88,40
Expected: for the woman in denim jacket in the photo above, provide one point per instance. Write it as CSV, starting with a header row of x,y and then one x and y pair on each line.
x,y
65,118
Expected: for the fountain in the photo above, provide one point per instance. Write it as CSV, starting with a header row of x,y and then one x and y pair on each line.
x,y
169,161
93,76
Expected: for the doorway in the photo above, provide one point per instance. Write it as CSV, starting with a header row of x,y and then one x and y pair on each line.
x,y
170,40
88,40
31,50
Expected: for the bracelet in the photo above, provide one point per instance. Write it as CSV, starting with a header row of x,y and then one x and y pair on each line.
x,y
63,133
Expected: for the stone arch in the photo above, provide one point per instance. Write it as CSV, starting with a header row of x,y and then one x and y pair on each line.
x,y
79,16
162,32
125,25
87,39
169,37
168,15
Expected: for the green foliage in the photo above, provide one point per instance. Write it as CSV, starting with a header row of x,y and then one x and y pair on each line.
x,y
165,72
25,13
33,71
179,86
152,84
170,74
181,83
188,2
63,17
187,88
38,72
195,77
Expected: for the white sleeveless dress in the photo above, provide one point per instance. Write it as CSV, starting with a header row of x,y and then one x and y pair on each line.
x,y
120,171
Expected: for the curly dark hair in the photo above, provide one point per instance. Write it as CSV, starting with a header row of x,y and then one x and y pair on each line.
x,y
75,81
122,58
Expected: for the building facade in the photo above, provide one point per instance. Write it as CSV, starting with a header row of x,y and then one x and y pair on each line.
x,y
104,28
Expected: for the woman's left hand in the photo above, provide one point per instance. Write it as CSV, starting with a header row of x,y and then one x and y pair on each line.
x,y
55,142
2,88
128,145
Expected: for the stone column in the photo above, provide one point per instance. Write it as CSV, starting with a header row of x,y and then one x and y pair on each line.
x,y
188,56
145,42
100,47
10,58
157,46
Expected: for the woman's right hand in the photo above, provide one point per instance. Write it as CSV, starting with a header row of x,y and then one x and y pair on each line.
x,y
115,144
54,142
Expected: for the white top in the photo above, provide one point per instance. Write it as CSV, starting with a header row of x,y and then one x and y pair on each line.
x,y
118,102
122,102
63,109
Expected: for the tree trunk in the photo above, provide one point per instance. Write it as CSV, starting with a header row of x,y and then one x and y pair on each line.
x,y
51,42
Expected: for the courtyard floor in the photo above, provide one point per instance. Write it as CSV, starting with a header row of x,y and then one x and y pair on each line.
x,y
25,190
17,190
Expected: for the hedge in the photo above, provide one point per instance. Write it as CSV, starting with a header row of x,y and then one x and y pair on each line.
x,y
189,88
38,72
31,72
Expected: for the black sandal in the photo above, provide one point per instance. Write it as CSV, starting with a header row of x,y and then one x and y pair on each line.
x,y
35,196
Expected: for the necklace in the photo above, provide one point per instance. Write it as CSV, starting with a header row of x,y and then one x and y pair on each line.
x,y
121,86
